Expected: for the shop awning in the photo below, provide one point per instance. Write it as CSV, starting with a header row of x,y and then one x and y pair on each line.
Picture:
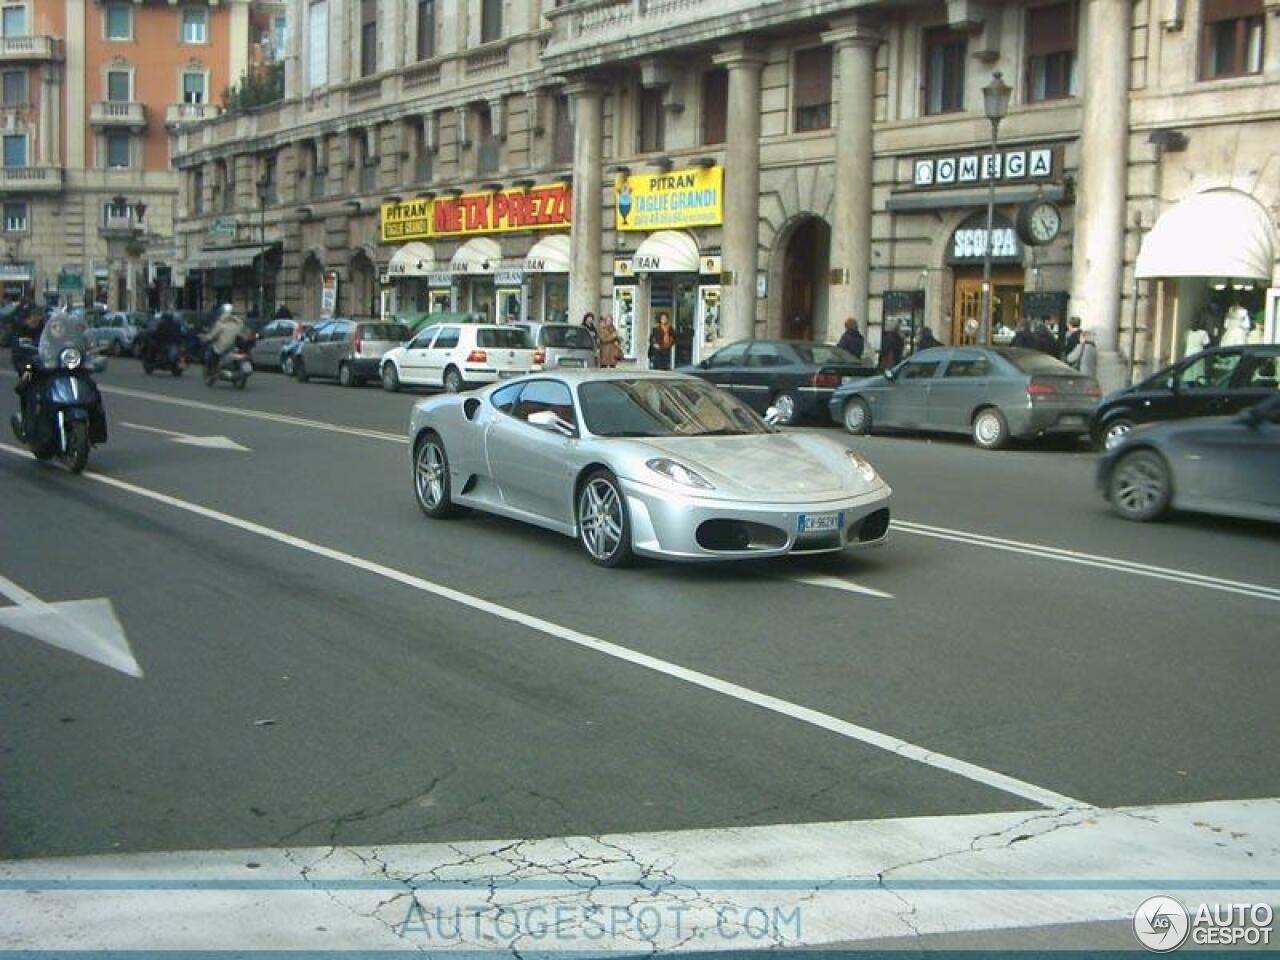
x,y
549,255
477,255
414,259
667,251
1219,233
225,258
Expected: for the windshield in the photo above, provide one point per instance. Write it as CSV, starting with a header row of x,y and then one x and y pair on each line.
x,y
385,331
823,353
572,338
60,332
652,407
511,337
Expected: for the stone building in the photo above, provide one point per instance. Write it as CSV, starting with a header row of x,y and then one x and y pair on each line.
x,y
767,167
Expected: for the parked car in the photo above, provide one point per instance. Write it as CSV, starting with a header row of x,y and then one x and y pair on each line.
x,y
115,332
348,349
268,351
993,394
456,356
796,377
641,462
561,345
290,352
1218,381
1223,465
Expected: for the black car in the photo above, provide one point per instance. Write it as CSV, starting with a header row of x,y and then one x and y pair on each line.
x,y
795,376
1214,382
1223,465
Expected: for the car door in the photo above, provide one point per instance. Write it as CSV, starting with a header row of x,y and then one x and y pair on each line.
x,y
1256,379
413,362
964,373
1202,387
311,354
757,380
337,346
444,350
531,465
1231,466
909,393
266,350
724,366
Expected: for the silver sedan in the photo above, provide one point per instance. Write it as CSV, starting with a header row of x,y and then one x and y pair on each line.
x,y
630,462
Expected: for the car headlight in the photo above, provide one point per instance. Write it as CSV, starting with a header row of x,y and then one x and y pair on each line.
x,y
70,358
679,473
863,467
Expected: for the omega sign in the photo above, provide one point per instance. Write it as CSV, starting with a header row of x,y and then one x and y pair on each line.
x,y
1039,164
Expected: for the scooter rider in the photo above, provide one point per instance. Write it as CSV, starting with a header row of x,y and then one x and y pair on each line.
x,y
222,338
166,333
34,361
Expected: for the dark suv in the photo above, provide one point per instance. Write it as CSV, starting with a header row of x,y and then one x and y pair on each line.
x,y
1214,382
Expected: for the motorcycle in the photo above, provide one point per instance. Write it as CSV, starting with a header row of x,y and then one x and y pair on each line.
x,y
164,357
62,414
235,366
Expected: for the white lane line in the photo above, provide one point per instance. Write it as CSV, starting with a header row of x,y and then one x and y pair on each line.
x,y
1185,577
852,731
835,583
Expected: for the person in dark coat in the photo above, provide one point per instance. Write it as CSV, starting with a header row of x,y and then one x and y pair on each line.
x,y
1045,341
851,340
1073,336
892,347
1023,337
927,340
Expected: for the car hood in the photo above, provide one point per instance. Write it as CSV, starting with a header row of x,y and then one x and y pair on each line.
x,y
775,467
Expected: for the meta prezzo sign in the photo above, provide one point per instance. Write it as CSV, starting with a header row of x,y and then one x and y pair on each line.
x,y
1041,163
539,208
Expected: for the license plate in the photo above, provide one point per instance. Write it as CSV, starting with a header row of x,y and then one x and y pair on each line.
x,y
820,522
503,374
571,362
246,367
1071,421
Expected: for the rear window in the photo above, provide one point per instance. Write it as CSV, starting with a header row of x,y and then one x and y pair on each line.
x,y
570,338
512,338
385,331
823,353
1033,361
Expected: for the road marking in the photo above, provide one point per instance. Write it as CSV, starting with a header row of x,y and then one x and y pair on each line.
x,y
851,731
88,628
835,583
209,443
1185,577
781,885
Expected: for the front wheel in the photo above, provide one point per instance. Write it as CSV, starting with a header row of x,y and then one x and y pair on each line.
x,y
286,366
785,404
239,381
453,380
990,429
77,455
431,478
390,379
1116,431
604,529
1140,487
857,416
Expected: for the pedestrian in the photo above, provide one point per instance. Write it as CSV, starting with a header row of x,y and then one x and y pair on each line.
x,y
589,321
927,340
1073,336
610,348
851,340
892,347
1197,339
662,344
1085,355
1045,341
1023,337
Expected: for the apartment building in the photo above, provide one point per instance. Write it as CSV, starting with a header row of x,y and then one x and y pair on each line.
x,y
761,167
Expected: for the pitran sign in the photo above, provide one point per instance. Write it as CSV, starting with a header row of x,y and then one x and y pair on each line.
x,y
474,214
670,201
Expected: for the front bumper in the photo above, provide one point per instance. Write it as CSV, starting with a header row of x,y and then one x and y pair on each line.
x,y
689,527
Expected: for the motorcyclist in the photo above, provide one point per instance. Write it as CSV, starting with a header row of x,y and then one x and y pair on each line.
x,y
165,334
222,338
34,362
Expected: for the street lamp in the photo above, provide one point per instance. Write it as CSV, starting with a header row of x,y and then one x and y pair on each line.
x,y
264,184
995,101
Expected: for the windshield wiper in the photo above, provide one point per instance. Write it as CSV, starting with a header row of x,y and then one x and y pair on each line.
x,y
722,432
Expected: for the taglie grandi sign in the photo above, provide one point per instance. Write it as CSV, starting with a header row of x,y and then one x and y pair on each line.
x,y
670,201
544,207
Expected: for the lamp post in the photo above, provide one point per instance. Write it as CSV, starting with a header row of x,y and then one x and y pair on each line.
x,y
264,184
995,101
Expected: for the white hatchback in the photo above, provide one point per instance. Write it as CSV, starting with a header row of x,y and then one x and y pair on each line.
x,y
456,356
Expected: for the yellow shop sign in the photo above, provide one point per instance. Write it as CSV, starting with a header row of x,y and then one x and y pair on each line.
x,y
670,201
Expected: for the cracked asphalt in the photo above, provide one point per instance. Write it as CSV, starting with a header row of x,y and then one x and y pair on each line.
x,y
293,701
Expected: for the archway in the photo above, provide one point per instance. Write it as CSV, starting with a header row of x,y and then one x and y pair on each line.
x,y
363,301
806,260
312,281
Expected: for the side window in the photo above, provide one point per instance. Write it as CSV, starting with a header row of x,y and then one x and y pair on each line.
x,y
1212,371
424,337
730,356
1259,372
319,333
968,365
448,338
918,369
765,355
505,398
543,395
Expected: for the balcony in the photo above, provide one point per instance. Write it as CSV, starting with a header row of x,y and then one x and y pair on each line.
x,y
29,49
176,114
118,113
30,179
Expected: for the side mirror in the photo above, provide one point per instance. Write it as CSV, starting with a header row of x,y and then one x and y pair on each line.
x,y
705,364
890,375
1171,382
547,420
772,417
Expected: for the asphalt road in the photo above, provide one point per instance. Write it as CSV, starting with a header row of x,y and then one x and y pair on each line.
x,y
294,696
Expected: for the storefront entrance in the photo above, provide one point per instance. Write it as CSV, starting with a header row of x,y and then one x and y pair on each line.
x,y
1006,304
804,281
676,294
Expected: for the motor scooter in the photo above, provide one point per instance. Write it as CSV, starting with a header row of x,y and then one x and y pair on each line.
x,y
235,366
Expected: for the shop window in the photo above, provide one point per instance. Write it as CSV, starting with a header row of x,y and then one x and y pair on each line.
x,y
563,145
15,150
1051,52
490,20
944,55
318,43
715,106
194,87
368,37
13,22
195,25
15,88
426,29
119,21
15,217
652,132
117,150
119,83
487,148
813,89
1231,41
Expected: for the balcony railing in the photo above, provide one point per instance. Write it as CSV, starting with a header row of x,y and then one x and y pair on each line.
x,y
29,49
176,114
31,179
118,113
486,59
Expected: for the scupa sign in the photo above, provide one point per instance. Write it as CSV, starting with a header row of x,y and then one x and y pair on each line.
x,y
969,242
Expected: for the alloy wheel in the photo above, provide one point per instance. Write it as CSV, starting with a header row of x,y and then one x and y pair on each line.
x,y
601,520
1140,486
429,475
1116,432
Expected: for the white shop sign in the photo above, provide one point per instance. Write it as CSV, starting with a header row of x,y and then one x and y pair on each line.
x,y
1007,165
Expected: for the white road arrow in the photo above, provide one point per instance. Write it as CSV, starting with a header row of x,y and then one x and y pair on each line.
x,y
209,443
88,628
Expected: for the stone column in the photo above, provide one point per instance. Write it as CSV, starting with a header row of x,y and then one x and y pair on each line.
x,y
741,190
588,182
1098,252
855,45
49,132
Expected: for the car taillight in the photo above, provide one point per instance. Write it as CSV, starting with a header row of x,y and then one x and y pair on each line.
x,y
826,378
1094,391
540,355
357,339
1040,389
477,356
